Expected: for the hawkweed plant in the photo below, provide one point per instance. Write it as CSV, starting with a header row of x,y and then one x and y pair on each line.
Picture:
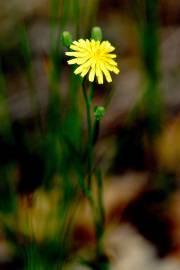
x,y
94,62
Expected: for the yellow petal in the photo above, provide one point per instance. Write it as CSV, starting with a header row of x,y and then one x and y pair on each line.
x,y
78,70
81,67
82,60
99,75
92,74
77,48
76,54
112,55
106,73
89,62
106,45
100,80
112,68
116,70
85,71
109,61
72,61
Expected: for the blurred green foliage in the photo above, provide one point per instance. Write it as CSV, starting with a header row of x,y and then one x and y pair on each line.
x,y
52,154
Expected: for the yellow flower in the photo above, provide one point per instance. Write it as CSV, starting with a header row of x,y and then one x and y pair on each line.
x,y
94,57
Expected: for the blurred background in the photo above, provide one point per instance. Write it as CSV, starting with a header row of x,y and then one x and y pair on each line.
x,y
45,220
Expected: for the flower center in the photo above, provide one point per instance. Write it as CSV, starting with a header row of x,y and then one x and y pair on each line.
x,y
96,53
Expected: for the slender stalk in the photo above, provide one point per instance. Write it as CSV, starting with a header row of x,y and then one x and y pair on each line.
x,y
96,206
101,211
95,131
89,146
88,110
91,90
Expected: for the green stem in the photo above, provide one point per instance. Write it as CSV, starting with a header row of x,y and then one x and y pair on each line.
x,y
89,146
91,93
95,131
100,205
88,110
97,207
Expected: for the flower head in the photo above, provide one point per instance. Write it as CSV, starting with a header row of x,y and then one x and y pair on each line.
x,y
93,57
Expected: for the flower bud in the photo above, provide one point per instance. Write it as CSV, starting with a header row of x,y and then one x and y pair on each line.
x,y
99,112
96,33
66,39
